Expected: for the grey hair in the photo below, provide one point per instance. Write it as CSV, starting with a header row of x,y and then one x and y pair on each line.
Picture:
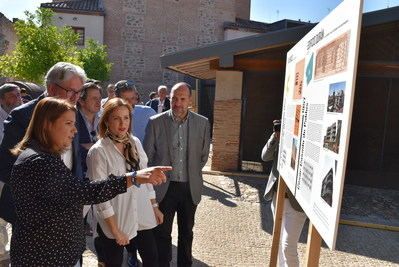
x,y
162,87
63,71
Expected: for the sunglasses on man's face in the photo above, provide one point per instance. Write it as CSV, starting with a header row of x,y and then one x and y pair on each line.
x,y
126,84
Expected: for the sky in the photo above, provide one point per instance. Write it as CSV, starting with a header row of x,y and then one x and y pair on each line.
x,y
261,10
305,10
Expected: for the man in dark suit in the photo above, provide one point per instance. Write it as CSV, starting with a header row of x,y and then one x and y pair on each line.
x,y
87,118
179,138
10,98
63,80
161,103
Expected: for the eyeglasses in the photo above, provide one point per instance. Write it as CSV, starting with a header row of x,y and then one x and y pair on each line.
x,y
69,92
124,84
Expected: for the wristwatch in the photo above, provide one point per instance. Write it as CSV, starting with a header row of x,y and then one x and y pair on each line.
x,y
132,176
155,205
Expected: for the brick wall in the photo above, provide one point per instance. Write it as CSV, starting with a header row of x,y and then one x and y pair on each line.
x,y
226,135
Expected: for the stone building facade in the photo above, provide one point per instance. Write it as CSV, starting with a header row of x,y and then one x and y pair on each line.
x,y
138,32
8,37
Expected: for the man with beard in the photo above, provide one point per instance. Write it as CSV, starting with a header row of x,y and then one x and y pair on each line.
x,y
180,138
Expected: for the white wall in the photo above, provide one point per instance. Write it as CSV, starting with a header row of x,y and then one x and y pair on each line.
x,y
230,34
93,24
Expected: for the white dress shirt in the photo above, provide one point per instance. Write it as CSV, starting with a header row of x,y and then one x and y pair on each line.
x,y
160,106
104,159
91,127
67,158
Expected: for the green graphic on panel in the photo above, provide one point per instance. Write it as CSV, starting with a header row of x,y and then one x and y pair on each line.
x,y
309,70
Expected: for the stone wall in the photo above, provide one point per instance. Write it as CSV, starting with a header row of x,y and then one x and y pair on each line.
x,y
140,31
243,9
8,37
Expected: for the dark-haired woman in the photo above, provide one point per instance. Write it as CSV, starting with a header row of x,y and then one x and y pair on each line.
x,y
48,198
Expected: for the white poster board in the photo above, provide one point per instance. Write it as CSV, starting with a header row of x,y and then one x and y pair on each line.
x,y
318,98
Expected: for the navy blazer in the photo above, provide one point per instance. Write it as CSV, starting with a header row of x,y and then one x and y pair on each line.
x,y
84,138
155,102
14,130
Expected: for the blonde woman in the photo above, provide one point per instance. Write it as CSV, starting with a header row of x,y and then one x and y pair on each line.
x,y
120,219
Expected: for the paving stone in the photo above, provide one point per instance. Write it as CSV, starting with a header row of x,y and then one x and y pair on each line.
x,y
234,225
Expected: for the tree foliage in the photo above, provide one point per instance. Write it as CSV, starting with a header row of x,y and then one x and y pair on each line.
x,y
41,44
95,61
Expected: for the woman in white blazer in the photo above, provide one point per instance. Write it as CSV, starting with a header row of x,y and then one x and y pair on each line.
x,y
125,221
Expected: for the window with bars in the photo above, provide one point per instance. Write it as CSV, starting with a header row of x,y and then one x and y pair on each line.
x,y
81,32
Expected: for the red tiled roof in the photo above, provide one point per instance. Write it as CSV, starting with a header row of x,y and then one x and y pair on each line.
x,y
78,6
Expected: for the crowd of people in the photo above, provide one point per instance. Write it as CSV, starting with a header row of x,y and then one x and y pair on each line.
x,y
69,155
69,152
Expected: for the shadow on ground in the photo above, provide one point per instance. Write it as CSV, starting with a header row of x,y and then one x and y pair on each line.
x,y
362,204
196,263
219,194
90,258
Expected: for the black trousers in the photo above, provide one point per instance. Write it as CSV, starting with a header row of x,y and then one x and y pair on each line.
x,y
147,247
177,200
108,251
7,205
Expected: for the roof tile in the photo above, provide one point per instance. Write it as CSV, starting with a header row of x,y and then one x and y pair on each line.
x,y
80,5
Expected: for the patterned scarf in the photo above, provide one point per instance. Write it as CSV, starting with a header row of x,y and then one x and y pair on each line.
x,y
129,149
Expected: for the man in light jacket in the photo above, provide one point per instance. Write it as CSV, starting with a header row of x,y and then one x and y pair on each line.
x,y
179,138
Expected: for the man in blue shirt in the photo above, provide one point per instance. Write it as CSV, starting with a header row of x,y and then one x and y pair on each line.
x,y
126,90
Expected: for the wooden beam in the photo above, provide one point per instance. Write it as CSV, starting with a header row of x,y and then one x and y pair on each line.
x,y
278,219
259,64
250,64
379,64
313,248
203,61
384,69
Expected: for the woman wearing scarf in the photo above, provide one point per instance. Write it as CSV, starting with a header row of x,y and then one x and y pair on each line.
x,y
120,219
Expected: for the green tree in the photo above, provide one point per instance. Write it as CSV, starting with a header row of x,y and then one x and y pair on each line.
x,y
40,45
95,60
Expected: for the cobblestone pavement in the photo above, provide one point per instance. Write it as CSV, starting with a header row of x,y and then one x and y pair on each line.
x,y
234,226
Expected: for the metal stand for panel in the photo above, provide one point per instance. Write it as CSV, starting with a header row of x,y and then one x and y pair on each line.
x,y
314,238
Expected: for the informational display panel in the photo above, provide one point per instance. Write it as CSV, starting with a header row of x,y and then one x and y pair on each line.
x,y
318,98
